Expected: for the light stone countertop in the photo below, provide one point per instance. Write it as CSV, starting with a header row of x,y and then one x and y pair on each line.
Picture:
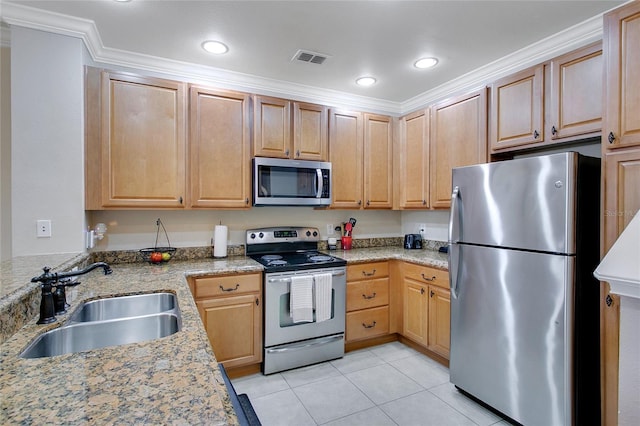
x,y
173,380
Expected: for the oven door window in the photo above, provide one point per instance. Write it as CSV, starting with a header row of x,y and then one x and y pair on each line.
x,y
285,313
287,182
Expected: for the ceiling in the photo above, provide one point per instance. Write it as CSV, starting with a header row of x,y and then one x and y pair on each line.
x,y
378,38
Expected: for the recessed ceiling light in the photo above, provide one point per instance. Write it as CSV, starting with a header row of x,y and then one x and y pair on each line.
x,y
213,46
123,1
425,63
365,81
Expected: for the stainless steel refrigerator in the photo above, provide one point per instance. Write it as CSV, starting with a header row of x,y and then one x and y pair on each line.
x,y
523,243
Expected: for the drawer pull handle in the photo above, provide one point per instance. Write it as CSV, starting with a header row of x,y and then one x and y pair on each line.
x,y
369,274
369,297
230,289
427,278
369,326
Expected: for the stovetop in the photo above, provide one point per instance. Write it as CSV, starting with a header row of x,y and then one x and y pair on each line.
x,y
294,261
288,248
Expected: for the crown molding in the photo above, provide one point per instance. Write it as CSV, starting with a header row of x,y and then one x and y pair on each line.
x,y
572,38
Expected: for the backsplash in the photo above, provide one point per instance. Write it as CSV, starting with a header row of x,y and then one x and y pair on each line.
x,y
194,253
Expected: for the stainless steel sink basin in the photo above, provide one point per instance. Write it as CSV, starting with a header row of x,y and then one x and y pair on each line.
x,y
111,321
78,337
125,307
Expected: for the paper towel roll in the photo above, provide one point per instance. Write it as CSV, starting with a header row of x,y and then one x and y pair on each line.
x,y
220,241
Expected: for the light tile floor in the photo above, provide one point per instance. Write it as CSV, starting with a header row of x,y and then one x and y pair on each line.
x,y
390,384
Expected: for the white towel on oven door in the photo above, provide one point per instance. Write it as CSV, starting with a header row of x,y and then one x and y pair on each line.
x,y
301,298
323,296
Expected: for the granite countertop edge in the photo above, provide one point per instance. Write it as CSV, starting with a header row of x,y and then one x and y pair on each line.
x,y
163,381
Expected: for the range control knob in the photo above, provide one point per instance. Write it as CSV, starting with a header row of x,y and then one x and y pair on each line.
x,y
252,236
315,233
261,235
308,233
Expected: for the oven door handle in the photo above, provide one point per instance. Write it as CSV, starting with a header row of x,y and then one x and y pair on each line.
x,y
299,346
288,280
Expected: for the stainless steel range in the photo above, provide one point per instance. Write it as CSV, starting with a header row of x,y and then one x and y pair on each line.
x,y
304,297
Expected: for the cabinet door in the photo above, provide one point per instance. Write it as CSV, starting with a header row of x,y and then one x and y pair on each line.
x,y
310,128
378,165
517,109
415,311
272,127
345,153
622,192
142,141
576,93
414,161
458,138
439,321
622,88
219,140
234,328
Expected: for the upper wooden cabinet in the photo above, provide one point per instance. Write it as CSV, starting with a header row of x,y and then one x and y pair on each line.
x,y
458,138
135,143
551,103
286,129
576,94
622,88
517,109
360,151
219,138
414,160
345,153
378,164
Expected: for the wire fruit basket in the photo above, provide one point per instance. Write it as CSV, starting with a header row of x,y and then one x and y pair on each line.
x,y
157,254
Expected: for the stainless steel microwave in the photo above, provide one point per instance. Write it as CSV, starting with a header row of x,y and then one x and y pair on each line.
x,y
282,182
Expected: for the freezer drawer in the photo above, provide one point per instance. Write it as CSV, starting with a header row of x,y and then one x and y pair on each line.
x,y
511,333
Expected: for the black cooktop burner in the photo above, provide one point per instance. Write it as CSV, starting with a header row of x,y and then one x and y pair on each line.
x,y
297,260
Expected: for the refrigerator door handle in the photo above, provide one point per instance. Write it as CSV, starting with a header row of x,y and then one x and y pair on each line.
x,y
454,232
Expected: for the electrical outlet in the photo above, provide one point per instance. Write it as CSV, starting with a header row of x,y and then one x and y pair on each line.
x,y
422,228
43,229
330,229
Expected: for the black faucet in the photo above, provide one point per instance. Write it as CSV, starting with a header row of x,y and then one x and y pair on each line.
x,y
55,302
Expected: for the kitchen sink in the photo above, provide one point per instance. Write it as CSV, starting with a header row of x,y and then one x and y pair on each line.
x,y
112,321
78,337
125,307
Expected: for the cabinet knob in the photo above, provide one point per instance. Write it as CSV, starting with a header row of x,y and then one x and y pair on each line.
x,y
246,200
286,153
359,202
368,202
608,300
554,131
431,294
536,134
422,290
611,137
424,202
180,200
298,154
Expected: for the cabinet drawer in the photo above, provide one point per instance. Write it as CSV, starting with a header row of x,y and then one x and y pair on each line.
x,y
367,294
426,275
367,271
226,285
367,323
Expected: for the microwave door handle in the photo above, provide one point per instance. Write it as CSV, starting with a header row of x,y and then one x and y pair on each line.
x,y
319,183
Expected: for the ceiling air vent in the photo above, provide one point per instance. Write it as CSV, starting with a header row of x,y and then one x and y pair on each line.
x,y
308,56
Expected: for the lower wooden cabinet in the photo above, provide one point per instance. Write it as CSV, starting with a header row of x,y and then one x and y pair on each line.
x,y
231,310
367,301
426,307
